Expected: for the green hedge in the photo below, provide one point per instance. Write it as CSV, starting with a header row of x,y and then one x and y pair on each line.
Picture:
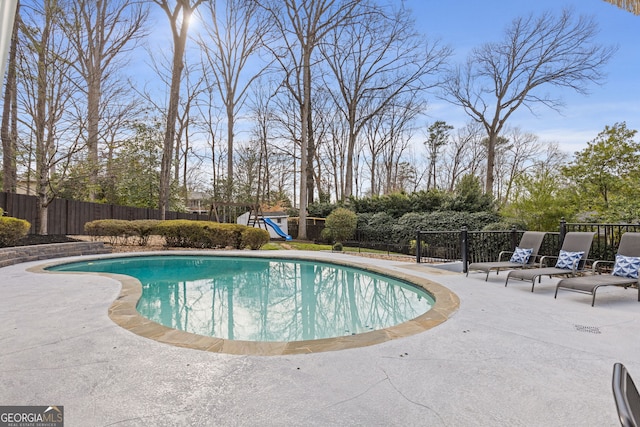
x,y
340,225
405,228
179,233
255,238
119,231
12,230
184,233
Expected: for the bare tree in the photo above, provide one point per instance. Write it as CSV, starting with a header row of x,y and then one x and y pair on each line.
x,y
46,93
235,31
303,26
184,119
210,122
101,31
374,61
438,137
9,129
499,78
179,13
513,159
463,155
399,119
287,132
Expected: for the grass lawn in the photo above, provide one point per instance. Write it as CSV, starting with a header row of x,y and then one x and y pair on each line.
x,y
307,246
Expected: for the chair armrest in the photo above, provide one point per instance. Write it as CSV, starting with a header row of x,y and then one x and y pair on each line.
x,y
597,264
544,258
504,253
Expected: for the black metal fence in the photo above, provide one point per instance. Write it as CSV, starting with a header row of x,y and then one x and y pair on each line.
x,y
482,246
607,237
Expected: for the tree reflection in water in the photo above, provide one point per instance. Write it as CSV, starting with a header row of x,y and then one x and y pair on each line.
x,y
259,299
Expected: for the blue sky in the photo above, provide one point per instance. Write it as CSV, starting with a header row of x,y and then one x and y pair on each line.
x,y
464,24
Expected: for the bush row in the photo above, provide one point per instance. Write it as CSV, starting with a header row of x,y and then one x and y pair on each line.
x,y
180,233
12,230
382,227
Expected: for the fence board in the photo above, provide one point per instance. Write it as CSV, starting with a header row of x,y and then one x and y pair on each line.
x,y
69,216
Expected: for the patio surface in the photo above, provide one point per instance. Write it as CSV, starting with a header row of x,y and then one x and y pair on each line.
x,y
507,357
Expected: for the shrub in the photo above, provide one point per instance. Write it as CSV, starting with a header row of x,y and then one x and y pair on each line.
x,y
223,235
180,233
341,224
183,233
375,227
320,209
337,247
144,229
117,231
12,230
405,228
255,238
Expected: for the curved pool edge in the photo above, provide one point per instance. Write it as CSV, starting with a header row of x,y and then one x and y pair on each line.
x,y
123,311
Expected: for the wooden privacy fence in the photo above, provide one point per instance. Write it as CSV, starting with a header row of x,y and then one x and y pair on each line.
x,y
69,216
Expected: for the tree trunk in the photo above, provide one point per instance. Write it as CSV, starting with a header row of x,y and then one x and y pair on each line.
x,y
230,129
491,160
93,119
8,132
310,158
43,212
348,179
304,143
373,175
40,123
179,41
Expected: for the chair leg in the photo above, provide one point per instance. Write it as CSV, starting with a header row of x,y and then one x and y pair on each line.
x,y
555,296
533,284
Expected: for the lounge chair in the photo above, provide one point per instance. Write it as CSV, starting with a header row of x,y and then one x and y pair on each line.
x,y
626,397
571,259
530,240
625,270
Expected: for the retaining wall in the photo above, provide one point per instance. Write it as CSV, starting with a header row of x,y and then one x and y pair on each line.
x,y
18,254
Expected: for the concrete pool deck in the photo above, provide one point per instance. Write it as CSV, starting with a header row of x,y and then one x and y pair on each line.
x,y
506,357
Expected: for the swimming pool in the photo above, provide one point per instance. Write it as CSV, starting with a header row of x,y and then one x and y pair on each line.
x,y
267,300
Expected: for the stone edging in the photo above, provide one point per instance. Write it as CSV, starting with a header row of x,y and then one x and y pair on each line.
x,y
123,312
17,254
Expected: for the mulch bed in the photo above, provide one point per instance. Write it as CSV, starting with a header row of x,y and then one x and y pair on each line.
x,y
36,239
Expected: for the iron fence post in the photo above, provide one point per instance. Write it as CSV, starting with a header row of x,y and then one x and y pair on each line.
x,y
563,231
418,246
464,248
514,238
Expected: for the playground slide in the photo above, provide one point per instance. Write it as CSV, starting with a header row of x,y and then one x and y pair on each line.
x,y
277,229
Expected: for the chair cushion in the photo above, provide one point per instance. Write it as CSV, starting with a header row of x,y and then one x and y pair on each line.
x,y
626,266
567,259
521,256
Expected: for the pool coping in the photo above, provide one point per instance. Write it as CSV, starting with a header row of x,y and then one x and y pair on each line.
x,y
123,310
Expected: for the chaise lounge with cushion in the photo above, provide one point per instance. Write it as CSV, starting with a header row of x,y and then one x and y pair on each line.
x,y
571,259
625,270
524,256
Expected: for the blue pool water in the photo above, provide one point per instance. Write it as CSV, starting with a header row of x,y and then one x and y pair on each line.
x,y
263,299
